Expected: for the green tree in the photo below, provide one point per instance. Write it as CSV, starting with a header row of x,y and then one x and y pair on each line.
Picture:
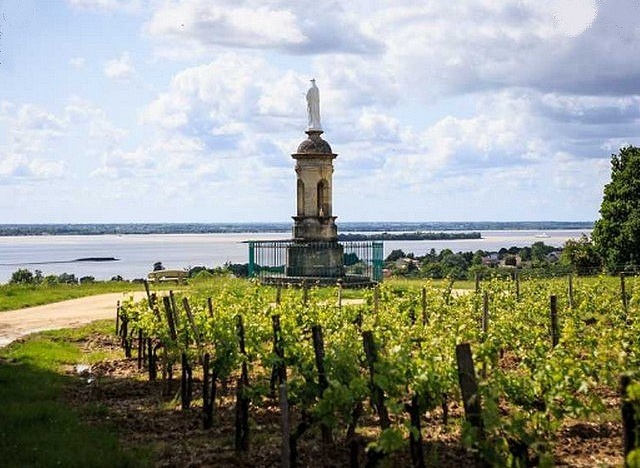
x,y
616,235
539,251
581,256
455,266
67,278
22,276
396,254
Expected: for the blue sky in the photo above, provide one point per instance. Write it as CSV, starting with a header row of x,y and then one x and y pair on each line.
x,y
188,111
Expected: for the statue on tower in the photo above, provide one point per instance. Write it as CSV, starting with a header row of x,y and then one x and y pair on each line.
x,y
313,107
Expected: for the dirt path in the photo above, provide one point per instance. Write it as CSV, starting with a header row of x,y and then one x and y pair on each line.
x,y
65,314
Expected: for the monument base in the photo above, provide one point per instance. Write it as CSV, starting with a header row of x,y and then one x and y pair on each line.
x,y
348,281
315,259
315,228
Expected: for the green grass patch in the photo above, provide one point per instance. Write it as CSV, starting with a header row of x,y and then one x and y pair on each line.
x,y
19,296
37,427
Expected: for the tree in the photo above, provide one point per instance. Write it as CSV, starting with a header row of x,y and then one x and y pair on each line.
x,y
396,254
539,251
67,278
616,235
455,266
580,255
22,276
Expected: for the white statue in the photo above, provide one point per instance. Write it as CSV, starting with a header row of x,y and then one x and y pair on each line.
x,y
313,107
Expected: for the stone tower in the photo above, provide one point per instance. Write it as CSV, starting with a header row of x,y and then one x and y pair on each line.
x,y
314,220
315,251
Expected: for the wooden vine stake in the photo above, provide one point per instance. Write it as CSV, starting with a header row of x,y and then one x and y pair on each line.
x,y
469,389
186,390
555,332
377,394
186,381
485,314
124,334
148,291
280,375
570,291
630,425
623,295
117,317
485,326
415,436
210,307
424,306
140,348
208,394
192,322
151,361
323,382
173,336
242,400
277,372
376,302
371,354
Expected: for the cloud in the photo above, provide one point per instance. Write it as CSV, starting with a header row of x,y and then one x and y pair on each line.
x,y
121,69
118,163
40,145
19,168
428,50
574,17
235,93
254,27
304,27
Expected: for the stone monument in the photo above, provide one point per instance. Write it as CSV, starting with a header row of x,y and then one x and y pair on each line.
x,y
315,251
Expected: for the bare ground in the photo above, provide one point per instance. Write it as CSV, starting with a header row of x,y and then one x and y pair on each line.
x,y
65,314
149,413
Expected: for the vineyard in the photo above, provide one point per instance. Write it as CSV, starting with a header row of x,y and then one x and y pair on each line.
x,y
505,368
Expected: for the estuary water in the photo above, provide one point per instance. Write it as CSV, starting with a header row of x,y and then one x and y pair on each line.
x,y
136,254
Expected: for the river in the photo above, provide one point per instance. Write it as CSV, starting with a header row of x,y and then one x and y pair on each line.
x,y
138,253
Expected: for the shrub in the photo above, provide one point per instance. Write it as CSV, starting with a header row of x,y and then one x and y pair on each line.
x,y
22,276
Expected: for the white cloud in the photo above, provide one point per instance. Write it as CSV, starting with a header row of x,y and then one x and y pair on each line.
x,y
121,68
301,27
255,26
574,16
118,163
225,96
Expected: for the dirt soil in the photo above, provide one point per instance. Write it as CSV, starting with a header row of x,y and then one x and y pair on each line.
x,y
65,314
148,414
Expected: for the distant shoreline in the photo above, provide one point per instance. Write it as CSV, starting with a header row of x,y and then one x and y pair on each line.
x,y
231,228
76,260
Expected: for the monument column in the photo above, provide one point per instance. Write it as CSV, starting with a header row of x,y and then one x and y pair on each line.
x,y
315,251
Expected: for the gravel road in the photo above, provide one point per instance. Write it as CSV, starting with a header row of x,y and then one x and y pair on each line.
x,y
65,314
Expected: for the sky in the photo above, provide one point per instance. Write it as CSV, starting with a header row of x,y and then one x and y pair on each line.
x,y
189,111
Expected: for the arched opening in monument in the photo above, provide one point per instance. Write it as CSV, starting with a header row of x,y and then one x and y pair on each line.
x,y
300,195
323,198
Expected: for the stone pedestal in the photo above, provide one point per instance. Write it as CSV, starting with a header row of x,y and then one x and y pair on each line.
x,y
315,259
315,228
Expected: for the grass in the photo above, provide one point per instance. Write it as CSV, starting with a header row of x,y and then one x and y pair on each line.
x,y
37,427
19,296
